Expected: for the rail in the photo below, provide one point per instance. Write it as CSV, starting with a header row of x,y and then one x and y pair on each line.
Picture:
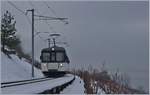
x,y
22,82
26,85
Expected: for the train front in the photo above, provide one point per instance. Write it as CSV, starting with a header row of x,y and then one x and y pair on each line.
x,y
54,61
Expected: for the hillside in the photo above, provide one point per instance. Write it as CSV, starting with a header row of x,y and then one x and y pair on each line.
x,y
13,69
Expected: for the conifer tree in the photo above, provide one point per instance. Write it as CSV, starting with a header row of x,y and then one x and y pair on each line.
x,y
8,31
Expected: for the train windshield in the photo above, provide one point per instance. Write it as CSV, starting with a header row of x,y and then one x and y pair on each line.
x,y
53,57
59,56
46,57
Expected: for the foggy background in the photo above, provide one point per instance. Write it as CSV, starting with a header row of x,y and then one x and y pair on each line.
x,y
113,32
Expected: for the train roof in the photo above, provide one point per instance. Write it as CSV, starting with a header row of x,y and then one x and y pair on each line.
x,y
54,48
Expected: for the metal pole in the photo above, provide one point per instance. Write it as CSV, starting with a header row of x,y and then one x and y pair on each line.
x,y
54,41
49,43
32,71
32,42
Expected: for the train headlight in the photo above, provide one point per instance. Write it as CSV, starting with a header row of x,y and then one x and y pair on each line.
x,y
61,64
53,49
44,64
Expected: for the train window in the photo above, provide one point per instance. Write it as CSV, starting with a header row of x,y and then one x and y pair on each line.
x,y
53,56
59,56
46,56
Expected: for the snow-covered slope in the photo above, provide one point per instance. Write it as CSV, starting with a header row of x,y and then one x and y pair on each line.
x,y
16,69
77,87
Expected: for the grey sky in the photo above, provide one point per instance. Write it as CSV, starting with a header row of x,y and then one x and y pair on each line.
x,y
116,32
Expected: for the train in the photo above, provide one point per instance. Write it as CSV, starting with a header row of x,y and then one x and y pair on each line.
x,y
54,61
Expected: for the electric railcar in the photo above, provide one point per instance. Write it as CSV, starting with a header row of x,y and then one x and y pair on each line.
x,y
54,61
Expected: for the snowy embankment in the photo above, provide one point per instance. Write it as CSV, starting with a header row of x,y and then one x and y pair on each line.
x,y
16,69
77,87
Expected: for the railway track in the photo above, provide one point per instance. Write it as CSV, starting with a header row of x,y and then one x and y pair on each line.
x,y
38,85
23,82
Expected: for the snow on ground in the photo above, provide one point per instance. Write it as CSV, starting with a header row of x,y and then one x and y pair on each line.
x,y
100,91
16,69
77,87
37,87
